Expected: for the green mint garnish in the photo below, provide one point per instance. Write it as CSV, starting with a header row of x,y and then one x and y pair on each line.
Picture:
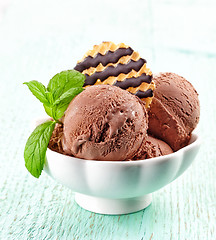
x,y
61,89
36,146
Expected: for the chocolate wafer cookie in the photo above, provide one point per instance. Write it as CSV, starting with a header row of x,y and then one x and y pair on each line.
x,y
117,65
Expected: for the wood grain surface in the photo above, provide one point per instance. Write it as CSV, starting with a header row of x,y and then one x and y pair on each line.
x,y
40,38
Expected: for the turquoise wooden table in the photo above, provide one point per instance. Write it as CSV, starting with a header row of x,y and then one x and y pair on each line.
x,y
40,38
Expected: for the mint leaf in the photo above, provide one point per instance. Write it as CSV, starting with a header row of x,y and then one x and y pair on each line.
x,y
64,81
69,95
63,101
49,110
60,110
36,146
38,90
62,88
52,112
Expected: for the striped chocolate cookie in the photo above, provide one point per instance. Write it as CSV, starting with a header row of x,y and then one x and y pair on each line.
x,y
117,65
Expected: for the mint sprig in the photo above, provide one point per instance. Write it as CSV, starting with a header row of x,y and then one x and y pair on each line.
x,y
61,89
36,146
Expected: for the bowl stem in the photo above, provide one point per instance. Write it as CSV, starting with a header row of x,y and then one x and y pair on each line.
x,y
113,206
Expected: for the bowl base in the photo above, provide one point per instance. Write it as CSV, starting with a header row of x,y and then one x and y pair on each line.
x,y
113,206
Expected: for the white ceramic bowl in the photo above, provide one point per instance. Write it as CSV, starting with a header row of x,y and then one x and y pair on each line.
x,y
118,187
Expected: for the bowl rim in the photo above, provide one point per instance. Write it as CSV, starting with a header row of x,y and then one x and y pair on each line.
x,y
195,142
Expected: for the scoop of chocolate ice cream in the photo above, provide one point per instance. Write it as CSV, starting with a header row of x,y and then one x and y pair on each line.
x,y
104,123
174,111
55,142
152,147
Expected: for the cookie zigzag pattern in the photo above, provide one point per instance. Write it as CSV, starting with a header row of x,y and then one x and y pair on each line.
x,y
120,66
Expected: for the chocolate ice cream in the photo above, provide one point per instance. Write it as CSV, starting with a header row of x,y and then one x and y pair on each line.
x,y
55,142
104,123
174,111
152,147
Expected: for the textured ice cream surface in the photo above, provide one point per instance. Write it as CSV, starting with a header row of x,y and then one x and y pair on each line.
x,y
152,147
104,123
55,142
174,111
